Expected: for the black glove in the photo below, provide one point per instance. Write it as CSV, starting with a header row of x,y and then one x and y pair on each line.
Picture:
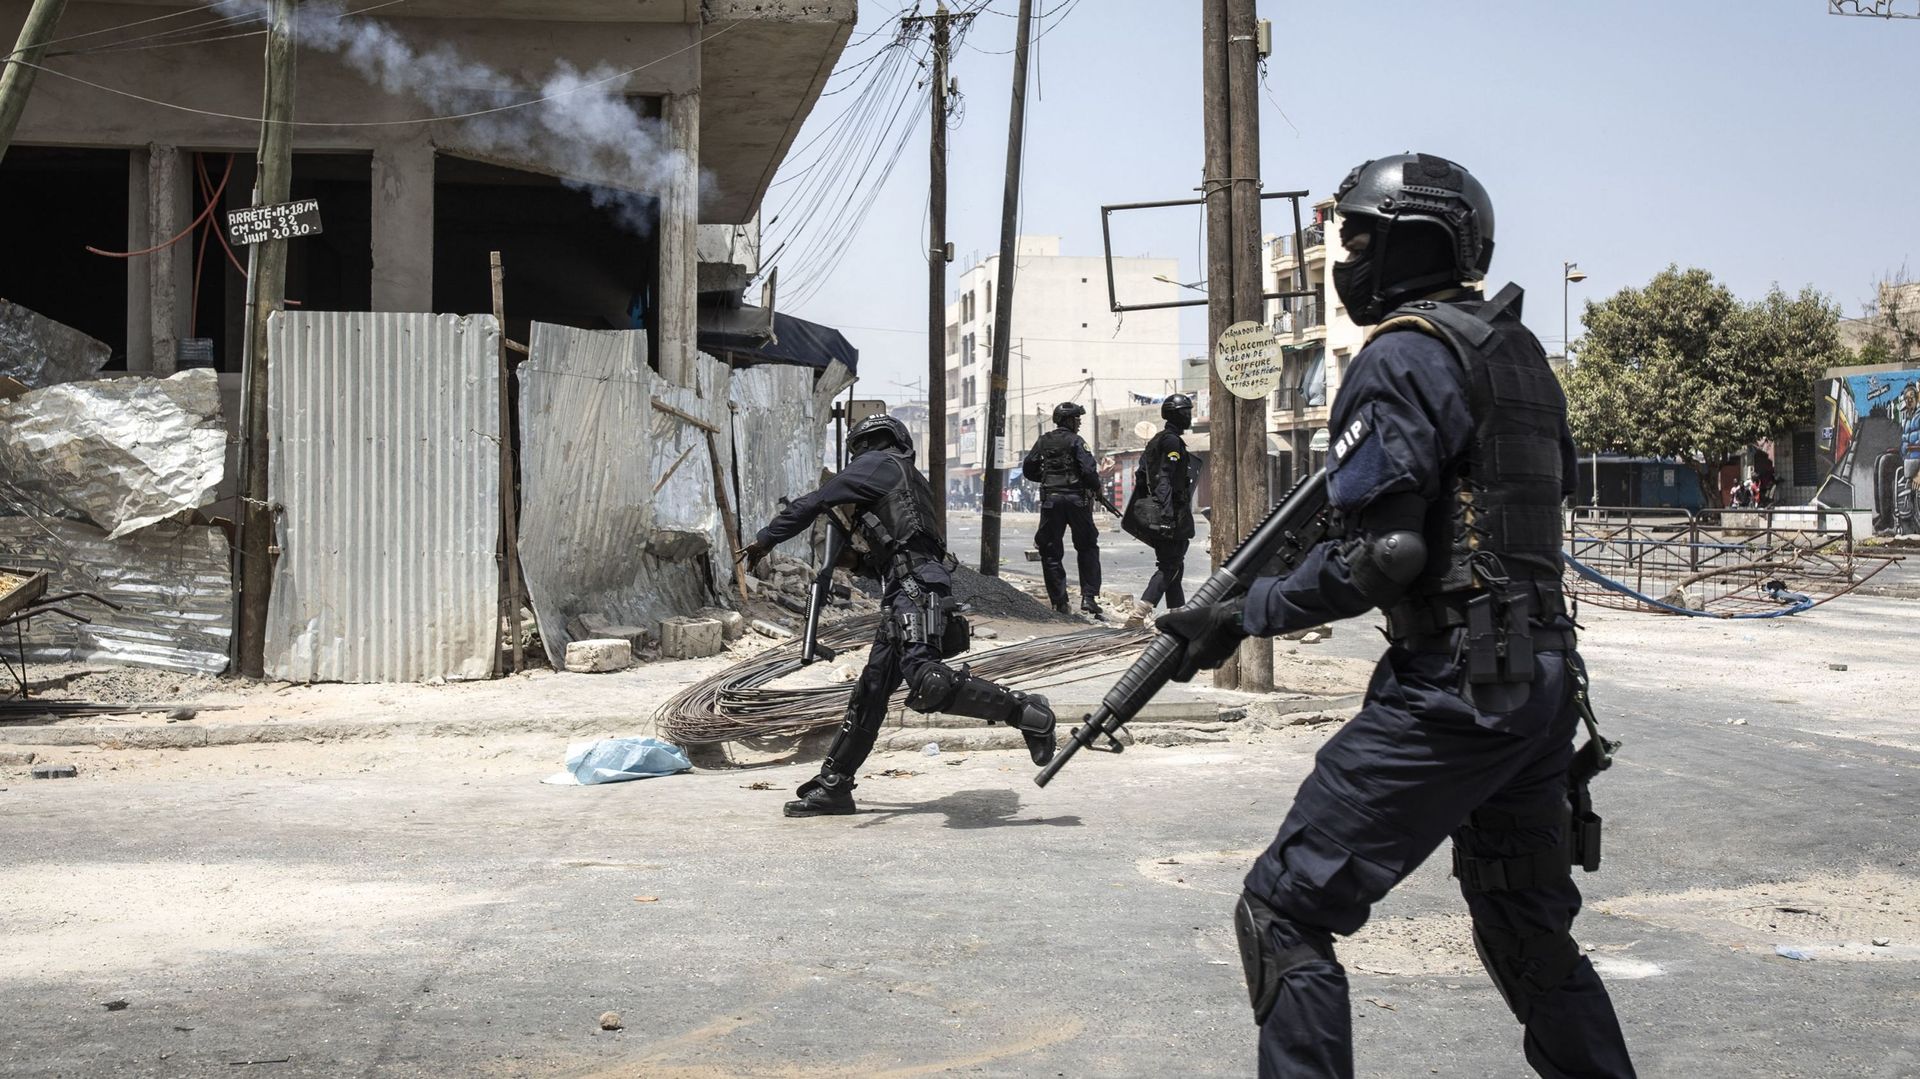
x,y
1211,633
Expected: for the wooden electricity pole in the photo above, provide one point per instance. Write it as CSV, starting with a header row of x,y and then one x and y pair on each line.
x,y
1250,416
994,479
16,75
266,294
1238,428
941,21
1222,459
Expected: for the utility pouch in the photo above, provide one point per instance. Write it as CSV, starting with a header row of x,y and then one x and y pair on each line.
x,y
1499,644
956,635
1586,840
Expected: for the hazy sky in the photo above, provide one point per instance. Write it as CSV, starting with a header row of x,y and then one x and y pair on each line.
x,y
1764,140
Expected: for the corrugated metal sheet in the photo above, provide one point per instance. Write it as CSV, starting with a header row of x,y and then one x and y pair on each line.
x,y
595,535
385,466
171,581
776,441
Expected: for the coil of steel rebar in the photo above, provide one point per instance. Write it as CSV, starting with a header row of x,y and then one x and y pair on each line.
x,y
739,703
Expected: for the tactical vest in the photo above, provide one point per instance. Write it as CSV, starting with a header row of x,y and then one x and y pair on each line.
x,y
897,531
1501,514
1058,469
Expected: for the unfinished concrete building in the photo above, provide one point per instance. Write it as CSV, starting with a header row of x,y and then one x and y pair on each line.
x,y
615,151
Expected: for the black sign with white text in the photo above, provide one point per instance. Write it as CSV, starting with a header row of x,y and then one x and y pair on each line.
x,y
282,222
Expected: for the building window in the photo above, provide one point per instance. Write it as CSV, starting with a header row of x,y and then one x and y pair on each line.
x,y
989,297
966,393
953,428
953,383
966,307
966,350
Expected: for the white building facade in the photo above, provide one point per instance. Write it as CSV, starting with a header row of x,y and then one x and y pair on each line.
x,y
1066,344
1317,340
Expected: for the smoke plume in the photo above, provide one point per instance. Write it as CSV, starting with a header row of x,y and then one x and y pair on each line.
x,y
578,124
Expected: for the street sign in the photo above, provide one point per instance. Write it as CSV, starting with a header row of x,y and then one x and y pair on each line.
x,y
256,224
860,410
1248,359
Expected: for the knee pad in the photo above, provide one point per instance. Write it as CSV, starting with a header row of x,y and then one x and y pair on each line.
x,y
1526,968
1271,944
933,687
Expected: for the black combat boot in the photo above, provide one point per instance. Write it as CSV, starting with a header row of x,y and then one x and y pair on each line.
x,y
1089,606
825,795
1060,605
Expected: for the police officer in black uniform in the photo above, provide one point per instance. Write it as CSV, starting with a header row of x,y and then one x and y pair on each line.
x,y
1069,483
887,509
1169,476
1450,459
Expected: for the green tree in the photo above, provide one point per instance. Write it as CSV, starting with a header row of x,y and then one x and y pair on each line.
x,y
1683,369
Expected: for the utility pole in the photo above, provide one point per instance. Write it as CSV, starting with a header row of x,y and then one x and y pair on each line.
x,y
994,481
1250,486
937,257
16,79
1222,460
266,294
1231,188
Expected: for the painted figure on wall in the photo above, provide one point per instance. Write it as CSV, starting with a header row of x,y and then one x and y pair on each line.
x,y
1869,445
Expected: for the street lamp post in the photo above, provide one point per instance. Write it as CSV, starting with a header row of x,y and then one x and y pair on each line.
x,y
1570,275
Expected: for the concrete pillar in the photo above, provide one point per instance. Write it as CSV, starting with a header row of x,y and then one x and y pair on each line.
x,y
139,280
679,243
403,226
169,272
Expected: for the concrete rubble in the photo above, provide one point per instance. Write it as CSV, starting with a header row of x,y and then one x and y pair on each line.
x,y
599,656
691,638
120,453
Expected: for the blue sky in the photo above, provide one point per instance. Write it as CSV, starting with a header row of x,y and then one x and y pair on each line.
x,y
1764,140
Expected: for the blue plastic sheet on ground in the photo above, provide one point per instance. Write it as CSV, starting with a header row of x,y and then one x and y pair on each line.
x,y
615,760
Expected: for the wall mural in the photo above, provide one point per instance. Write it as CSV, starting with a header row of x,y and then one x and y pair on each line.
x,y
1869,447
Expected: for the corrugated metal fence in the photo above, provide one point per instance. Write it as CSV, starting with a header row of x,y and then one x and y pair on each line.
x,y
385,471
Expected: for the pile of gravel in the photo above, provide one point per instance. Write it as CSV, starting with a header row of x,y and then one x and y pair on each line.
x,y
989,597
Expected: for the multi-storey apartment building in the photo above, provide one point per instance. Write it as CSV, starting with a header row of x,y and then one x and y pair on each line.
x,y
1066,344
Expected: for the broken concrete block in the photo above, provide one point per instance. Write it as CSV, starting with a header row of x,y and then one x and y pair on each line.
x,y
771,629
55,771
733,624
15,758
597,627
599,656
690,638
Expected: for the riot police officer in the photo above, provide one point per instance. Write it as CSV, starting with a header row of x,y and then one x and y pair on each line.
x,y
1169,477
886,508
1450,458
1069,483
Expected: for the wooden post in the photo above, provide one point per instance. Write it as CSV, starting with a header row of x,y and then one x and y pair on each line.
x,y
16,77
266,294
728,521
1250,488
993,479
1222,460
509,490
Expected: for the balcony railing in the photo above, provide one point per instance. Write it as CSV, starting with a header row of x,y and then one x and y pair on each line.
x,y
1302,315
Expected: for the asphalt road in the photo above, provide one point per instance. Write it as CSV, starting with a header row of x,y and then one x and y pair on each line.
x,y
1125,562
436,911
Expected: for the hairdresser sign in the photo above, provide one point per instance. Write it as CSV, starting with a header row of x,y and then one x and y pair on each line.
x,y
282,222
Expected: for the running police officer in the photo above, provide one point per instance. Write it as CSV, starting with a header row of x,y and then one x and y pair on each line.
x,y
1169,476
1449,461
886,508
1069,485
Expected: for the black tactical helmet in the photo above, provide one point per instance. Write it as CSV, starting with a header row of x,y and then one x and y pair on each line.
x,y
875,432
1409,189
1177,409
1067,414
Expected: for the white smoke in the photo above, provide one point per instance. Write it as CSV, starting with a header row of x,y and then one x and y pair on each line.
x,y
578,124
